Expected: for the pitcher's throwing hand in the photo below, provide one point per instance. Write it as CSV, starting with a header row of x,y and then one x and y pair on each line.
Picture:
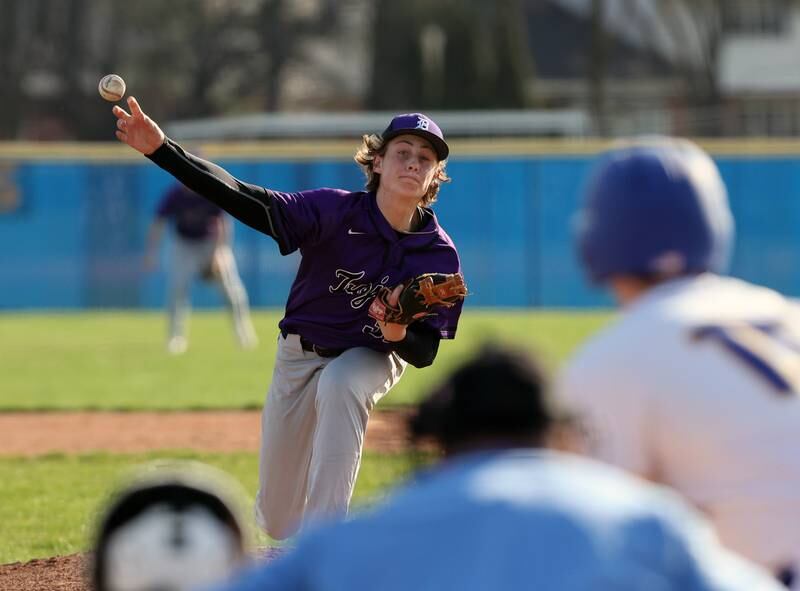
x,y
137,129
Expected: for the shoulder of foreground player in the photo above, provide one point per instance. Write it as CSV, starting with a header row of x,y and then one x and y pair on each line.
x,y
645,529
648,524
614,366
710,298
611,345
756,295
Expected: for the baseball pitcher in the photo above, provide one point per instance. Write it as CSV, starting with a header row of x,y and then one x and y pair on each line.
x,y
338,354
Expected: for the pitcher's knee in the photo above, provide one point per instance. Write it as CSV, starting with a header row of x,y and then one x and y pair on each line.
x,y
336,387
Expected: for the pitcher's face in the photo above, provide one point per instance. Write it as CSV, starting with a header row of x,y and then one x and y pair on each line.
x,y
408,166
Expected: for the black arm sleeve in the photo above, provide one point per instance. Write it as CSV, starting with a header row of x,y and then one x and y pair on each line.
x,y
420,346
250,204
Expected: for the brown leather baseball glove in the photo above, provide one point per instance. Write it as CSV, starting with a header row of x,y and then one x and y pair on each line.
x,y
419,297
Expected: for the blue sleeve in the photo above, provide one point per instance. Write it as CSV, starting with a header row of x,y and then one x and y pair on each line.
x,y
691,553
713,568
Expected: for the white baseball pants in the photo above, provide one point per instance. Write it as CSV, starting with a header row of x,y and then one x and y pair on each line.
x,y
313,428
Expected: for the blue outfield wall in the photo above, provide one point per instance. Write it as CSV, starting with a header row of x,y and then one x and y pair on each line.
x,y
72,233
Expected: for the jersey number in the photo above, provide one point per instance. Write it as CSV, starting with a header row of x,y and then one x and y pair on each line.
x,y
763,349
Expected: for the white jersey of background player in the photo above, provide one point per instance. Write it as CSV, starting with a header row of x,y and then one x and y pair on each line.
x,y
696,384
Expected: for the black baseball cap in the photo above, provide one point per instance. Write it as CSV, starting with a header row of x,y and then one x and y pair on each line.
x,y
501,392
421,125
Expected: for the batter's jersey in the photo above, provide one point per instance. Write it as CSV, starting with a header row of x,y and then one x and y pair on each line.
x,y
349,252
193,217
515,520
696,386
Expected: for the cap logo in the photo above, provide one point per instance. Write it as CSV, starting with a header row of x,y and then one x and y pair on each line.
x,y
422,123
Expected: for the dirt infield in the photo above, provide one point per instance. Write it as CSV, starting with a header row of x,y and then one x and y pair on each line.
x,y
61,573
32,434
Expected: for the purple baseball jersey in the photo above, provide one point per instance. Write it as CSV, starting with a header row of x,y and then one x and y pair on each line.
x,y
194,217
349,251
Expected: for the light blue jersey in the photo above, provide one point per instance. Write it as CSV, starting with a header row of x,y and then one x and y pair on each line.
x,y
519,519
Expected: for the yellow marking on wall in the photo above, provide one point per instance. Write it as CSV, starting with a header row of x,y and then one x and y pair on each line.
x,y
290,150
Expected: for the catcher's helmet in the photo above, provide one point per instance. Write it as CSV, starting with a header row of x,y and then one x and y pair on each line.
x,y
656,207
172,529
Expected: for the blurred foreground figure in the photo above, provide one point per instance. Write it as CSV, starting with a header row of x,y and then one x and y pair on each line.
x,y
696,384
503,513
171,529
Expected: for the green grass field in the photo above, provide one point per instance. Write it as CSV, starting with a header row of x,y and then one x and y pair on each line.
x,y
117,361
50,506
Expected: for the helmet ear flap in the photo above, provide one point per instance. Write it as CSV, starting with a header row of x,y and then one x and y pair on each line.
x,y
654,208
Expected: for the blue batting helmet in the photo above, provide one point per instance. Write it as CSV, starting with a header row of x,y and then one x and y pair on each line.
x,y
654,207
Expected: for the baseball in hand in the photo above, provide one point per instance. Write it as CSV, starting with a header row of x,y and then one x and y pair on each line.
x,y
111,87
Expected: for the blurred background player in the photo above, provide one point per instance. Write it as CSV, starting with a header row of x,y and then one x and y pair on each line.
x,y
501,512
696,384
334,361
170,527
201,250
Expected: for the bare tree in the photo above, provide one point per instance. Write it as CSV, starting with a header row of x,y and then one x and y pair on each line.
x,y
283,34
598,67
192,59
701,33
183,58
479,52
15,47
396,72
690,32
31,34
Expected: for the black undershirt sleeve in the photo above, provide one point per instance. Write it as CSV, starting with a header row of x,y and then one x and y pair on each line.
x,y
250,204
420,346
